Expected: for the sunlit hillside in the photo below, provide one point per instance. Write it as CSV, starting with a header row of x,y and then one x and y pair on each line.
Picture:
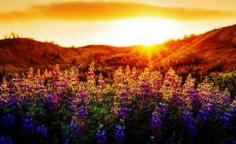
x,y
213,51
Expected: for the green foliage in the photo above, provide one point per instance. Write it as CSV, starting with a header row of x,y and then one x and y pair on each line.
x,y
225,81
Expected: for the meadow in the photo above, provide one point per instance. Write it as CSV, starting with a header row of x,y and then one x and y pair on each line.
x,y
128,105
117,72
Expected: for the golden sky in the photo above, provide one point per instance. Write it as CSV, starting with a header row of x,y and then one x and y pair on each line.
x,y
113,22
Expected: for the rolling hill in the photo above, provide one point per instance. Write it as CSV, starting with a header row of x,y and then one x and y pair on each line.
x,y
211,51
214,49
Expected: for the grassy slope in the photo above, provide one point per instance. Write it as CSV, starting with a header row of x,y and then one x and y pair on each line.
x,y
212,49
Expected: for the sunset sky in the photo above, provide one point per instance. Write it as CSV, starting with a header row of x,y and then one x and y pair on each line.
x,y
113,22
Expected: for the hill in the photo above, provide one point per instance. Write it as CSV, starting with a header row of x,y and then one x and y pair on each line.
x,y
214,50
211,51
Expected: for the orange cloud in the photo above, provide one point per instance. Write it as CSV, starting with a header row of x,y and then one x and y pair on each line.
x,y
92,11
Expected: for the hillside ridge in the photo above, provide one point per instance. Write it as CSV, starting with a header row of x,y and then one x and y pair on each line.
x,y
199,52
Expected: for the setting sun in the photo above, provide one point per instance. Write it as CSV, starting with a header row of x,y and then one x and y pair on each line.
x,y
144,31
117,23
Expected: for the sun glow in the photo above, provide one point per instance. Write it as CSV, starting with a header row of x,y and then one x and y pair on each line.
x,y
148,51
144,31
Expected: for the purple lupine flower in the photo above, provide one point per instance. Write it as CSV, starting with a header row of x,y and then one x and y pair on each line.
x,y
189,123
101,137
6,140
162,109
209,107
193,95
23,100
28,124
72,127
124,112
146,90
225,117
42,131
178,102
155,122
124,96
75,129
225,98
13,100
8,120
51,100
81,97
119,134
82,112
205,111
202,115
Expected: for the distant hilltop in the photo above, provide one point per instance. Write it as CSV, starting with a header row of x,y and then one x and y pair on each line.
x,y
211,51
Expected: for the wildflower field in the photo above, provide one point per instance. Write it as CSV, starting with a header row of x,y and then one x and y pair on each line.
x,y
129,106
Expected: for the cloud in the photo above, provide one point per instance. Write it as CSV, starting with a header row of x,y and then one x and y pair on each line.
x,y
95,11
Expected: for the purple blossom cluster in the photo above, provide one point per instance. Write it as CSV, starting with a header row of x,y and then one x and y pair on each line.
x,y
28,124
124,112
82,112
72,104
42,131
189,123
6,140
158,116
155,122
145,90
101,137
51,100
74,128
125,97
8,120
119,134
